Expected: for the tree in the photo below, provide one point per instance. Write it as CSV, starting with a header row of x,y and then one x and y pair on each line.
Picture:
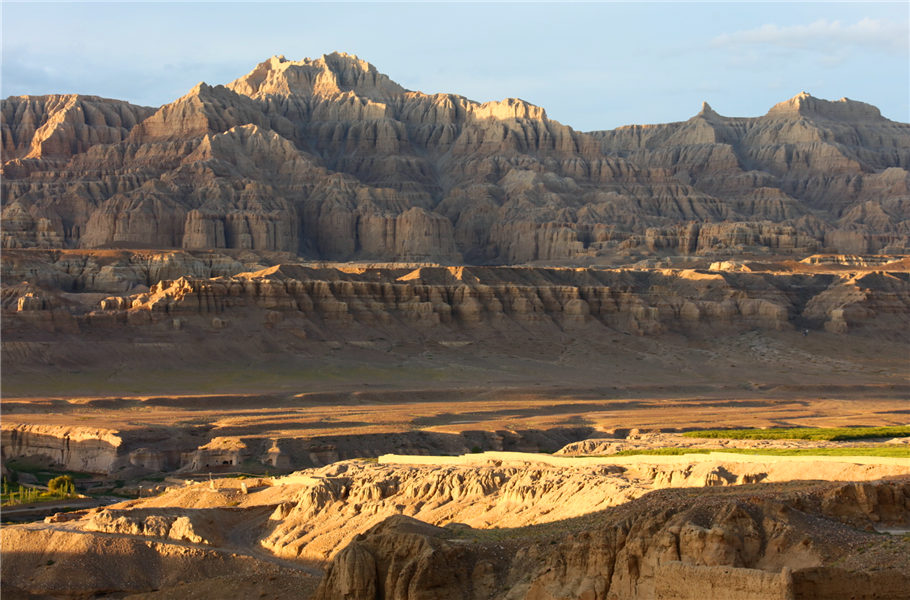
x,y
62,484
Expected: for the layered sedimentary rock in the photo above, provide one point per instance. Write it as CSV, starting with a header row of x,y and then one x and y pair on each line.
x,y
122,453
138,451
331,159
128,288
74,448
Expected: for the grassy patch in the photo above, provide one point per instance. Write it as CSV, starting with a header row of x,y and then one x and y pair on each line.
x,y
880,451
42,472
12,496
831,434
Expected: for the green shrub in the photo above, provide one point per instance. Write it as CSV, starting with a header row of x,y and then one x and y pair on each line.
x,y
880,451
803,433
62,485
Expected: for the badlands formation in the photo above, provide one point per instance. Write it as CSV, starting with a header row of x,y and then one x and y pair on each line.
x,y
494,526
331,159
379,307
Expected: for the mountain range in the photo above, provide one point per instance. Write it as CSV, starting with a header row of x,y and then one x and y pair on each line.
x,y
330,159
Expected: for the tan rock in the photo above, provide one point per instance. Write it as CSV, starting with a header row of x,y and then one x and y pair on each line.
x,y
64,125
331,159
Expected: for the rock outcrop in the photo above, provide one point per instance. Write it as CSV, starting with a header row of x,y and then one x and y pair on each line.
x,y
72,448
120,453
97,316
150,287
140,451
736,546
331,159
60,126
500,527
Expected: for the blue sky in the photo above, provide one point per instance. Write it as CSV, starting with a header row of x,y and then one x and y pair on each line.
x,y
590,65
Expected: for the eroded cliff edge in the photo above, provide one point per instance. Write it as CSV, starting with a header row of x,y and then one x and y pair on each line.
x,y
91,316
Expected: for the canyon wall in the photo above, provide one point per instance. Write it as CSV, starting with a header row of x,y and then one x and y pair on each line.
x,y
72,448
137,451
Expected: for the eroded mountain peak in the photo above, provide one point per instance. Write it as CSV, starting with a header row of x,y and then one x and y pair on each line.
x,y
327,76
844,109
329,158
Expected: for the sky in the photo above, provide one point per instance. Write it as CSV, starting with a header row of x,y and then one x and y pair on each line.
x,y
590,65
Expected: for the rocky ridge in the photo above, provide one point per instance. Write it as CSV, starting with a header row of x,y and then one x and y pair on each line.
x,y
331,159
92,290
154,450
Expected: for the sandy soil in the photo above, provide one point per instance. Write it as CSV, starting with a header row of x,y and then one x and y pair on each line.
x,y
457,410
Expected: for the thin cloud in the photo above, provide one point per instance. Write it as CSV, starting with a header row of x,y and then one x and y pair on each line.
x,y
823,35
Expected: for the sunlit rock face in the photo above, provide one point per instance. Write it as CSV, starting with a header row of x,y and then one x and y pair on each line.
x,y
498,526
331,159
147,289
77,448
663,546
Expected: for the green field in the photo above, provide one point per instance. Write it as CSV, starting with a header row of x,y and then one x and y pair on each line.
x,y
831,434
882,451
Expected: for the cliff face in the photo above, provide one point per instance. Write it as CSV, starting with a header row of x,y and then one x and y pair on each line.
x,y
331,159
78,449
805,158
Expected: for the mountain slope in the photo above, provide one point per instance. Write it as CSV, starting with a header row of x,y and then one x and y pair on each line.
x,y
331,159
